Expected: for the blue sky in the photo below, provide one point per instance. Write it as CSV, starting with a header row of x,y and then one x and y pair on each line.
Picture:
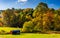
x,y
4,4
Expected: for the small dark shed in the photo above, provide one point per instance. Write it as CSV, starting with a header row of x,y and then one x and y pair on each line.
x,y
15,32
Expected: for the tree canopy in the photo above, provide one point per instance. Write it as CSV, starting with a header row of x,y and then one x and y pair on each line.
x,y
40,19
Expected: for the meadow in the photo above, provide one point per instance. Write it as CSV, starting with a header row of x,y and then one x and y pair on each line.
x,y
31,35
26,35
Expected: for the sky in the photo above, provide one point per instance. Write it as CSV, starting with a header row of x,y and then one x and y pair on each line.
x,y
4,4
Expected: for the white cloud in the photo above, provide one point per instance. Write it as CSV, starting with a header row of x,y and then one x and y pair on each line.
x,y
22,0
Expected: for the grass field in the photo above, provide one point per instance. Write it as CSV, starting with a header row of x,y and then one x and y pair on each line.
x,y
27,35
7,29
30,35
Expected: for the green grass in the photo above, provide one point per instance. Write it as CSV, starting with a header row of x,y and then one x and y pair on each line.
x,y
8,29
27,35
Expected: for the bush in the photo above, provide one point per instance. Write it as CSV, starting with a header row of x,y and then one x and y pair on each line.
x,y
28,27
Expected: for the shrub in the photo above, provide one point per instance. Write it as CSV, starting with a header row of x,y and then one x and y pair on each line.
x,y
28,27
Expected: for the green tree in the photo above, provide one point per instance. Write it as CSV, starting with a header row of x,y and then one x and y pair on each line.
x,y
28,26
10,18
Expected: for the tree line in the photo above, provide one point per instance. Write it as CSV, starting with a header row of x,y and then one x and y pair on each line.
x,y
40,19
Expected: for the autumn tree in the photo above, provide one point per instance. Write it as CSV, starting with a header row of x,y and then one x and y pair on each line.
x,y
25,15
10,18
